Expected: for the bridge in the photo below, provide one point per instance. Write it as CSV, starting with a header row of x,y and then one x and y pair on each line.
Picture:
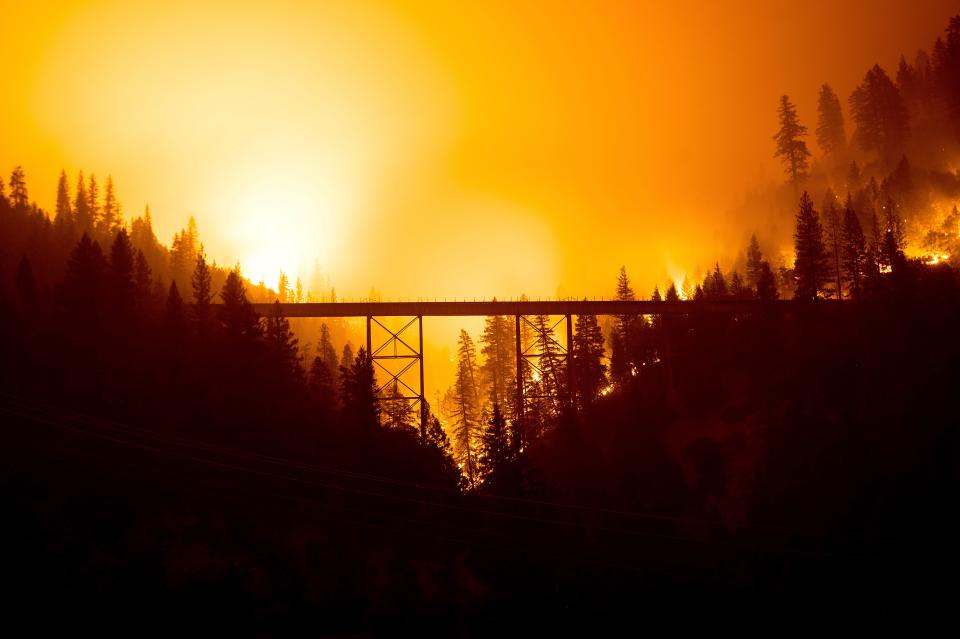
x,y
400,351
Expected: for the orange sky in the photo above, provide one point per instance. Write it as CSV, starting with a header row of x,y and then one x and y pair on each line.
x,y
434,148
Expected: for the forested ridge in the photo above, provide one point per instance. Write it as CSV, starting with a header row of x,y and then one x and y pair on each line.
x,y
171,458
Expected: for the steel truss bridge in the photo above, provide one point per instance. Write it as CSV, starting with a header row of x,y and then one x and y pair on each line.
x,y
395,353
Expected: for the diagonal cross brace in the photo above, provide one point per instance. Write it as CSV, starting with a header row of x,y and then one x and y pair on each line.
x,y
414,357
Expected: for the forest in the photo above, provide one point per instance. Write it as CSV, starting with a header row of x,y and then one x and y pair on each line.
x,y
169,454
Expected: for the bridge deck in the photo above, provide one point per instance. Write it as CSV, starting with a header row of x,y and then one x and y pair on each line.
x,y
544,307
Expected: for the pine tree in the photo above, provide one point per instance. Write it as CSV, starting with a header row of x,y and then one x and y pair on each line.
x,y
893,236
93,202
495,450
590,373
201,282
552,365
283,344
754,261
123,285
737,289
655,296
82,289
111,218
853,250
672,294
767,283
183,254
358,391
437,438
499,367
236,315
790,148
346,357
810,266
81,206
283,287
398,413
325,349
831,136
831,215
464,407
19,198
880,115
174,317
64,215
322,385
715,284
623,338
142,278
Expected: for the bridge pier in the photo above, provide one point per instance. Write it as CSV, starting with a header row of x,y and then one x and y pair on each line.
x,y
536,351
394,349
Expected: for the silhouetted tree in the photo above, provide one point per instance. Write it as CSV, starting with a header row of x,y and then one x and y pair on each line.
x,y
623,338
437,438
358,392
754,261
893,236
81,291
498,345
283,344
397,411
672,295
831,216
174,318
93,202
810,265
183,253
143,279
464,407
325,349
790,148
346,357
737,289
495,450
110,220
715,284
283,287
881,118
201,281
64,214
322,384
831,136
590,373
19,198
767,283
121,271
236,315
853,250
81,206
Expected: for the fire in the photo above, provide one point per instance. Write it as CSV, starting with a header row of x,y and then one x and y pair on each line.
x,y
937,258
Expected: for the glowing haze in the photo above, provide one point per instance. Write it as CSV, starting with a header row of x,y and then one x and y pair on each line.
x,y
434,148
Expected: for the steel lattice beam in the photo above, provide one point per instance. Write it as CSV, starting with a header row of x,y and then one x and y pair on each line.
x,y
390,349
